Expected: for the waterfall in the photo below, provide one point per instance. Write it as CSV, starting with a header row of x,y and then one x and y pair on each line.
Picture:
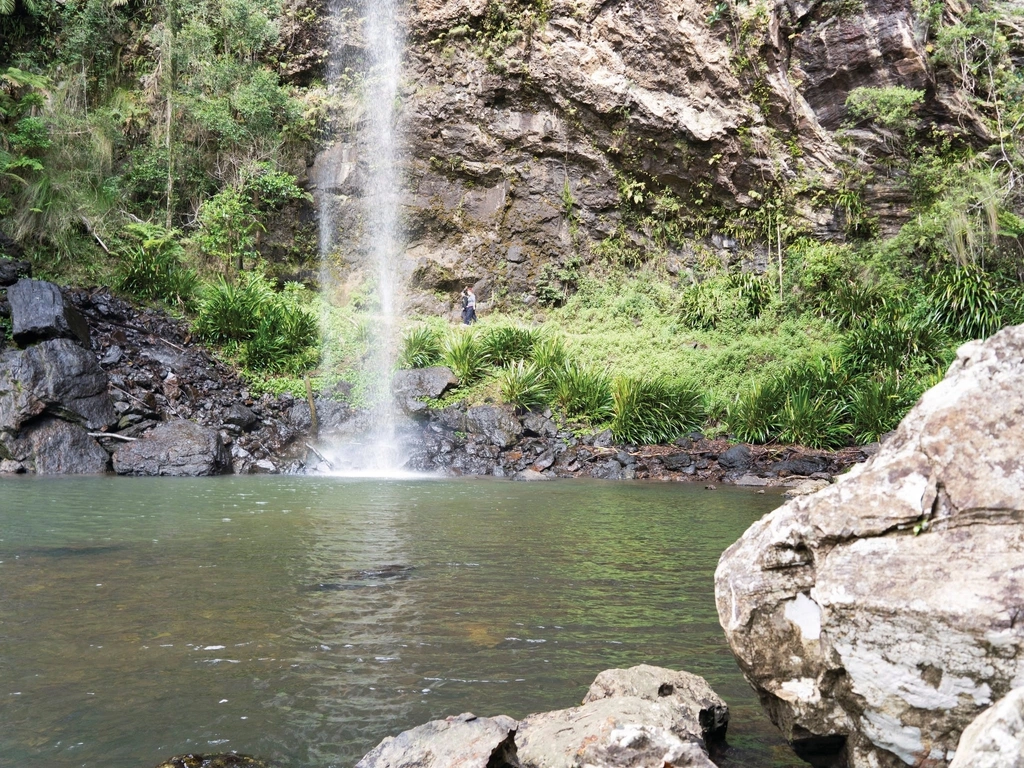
x,y
370,162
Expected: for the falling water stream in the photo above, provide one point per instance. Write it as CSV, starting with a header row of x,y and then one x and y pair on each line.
x,y
378,451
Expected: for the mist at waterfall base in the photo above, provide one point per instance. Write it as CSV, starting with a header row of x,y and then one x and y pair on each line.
x,y
376,447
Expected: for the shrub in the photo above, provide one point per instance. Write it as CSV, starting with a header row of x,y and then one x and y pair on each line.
x,y
421,348
549,353
701,306
851,304
754,292
279,334
966,303
153,267
753,415
893,343
582,393
891,108
230,311
654,410
524,385
507,344
877,405
464,354
814,421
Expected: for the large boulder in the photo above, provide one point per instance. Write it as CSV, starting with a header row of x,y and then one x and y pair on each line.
x,y
60,448
412,387
178,449
39,312
497,424
996,737
52,447
878,617
465,741
57,377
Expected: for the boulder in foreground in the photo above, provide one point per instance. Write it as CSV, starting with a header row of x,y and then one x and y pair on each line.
x,y
878,617
464,741
996,737
176,449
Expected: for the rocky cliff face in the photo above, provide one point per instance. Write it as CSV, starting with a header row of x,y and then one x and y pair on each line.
x,y
877,618
538,130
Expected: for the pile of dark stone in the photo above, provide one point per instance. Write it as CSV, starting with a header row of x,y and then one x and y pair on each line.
x,y
159,374
94,384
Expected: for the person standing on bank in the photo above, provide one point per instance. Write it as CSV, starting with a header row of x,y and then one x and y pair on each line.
x,y
468,306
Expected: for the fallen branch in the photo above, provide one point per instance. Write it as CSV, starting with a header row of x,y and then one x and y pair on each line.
x,y
113,436
323,458
91,231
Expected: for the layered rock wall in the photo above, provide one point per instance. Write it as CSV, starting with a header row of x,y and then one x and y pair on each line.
x,y
537,130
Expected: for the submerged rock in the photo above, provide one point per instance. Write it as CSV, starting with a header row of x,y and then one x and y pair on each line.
x,y
227,760
996,737
464,741
177,449
39,312
878,617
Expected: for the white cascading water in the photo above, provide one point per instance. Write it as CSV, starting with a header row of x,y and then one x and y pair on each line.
x,y
378,450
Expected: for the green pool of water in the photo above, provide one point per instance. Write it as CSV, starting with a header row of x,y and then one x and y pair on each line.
x,y
303,619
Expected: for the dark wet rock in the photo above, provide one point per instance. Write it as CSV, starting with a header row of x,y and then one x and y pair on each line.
x,y
801,465
604,439
57,377
676,461
112,356
227,760
539,425
737,458
496,423
610,469
61,448
12,270
412,387
690,693
241,417
464,741
178,449
39,312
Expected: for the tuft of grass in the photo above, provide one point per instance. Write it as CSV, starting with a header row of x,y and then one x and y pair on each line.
x,y
466,356
753,415
421,348
582,393
654,410
524,385
816,421
507,344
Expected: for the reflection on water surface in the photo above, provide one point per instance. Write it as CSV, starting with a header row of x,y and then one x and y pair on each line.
x,y
304,619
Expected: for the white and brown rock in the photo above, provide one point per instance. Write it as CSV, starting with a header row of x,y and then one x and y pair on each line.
x,y
877,618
